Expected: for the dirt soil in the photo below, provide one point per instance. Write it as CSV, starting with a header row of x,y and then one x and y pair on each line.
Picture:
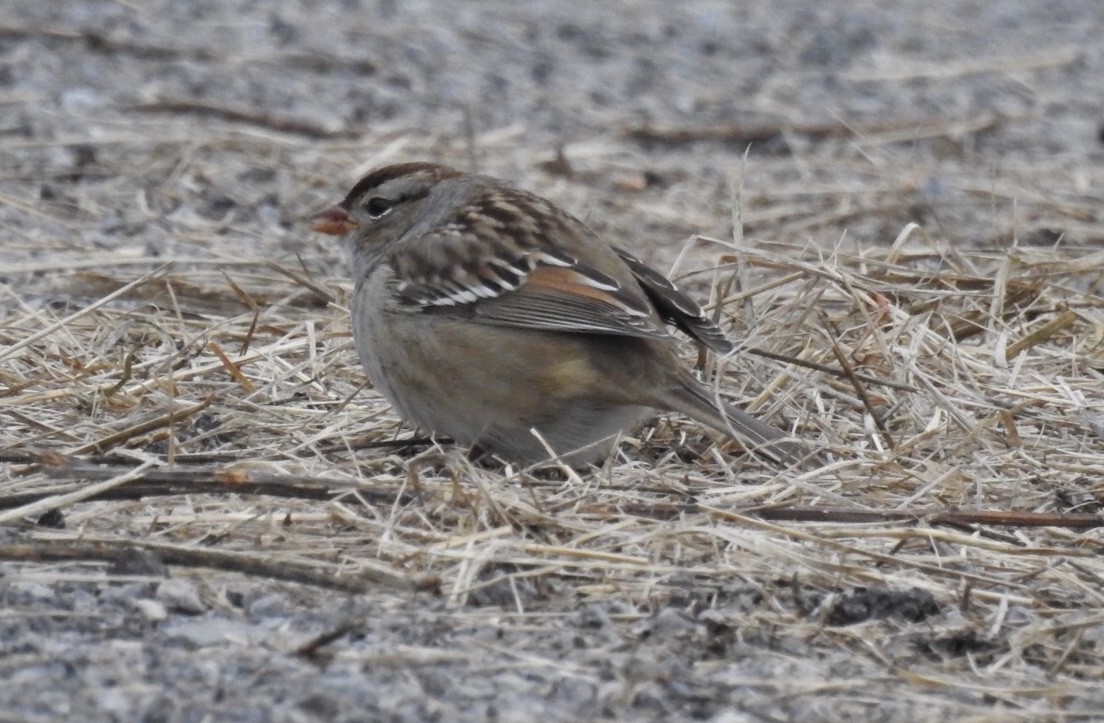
x,y
206,515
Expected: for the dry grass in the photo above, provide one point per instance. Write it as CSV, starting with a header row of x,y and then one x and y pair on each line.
x,y
207,407
211,411
178,388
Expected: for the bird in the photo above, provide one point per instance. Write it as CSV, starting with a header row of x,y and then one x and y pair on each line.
x,y
484,313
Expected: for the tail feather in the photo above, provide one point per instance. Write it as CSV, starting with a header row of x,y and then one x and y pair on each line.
x,y
694,400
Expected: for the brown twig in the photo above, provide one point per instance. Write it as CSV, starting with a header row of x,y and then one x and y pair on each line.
x,y
847,516
252,564
825,369
160,482
1041,334
241,115
856,383
165,420
751,133
955,518
324,296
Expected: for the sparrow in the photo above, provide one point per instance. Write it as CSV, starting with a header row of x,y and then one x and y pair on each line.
x,y
486,314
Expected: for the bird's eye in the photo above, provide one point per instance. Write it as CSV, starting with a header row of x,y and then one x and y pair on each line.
x,y
378,207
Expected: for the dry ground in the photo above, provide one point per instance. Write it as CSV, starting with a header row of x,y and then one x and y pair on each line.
x,y
207,516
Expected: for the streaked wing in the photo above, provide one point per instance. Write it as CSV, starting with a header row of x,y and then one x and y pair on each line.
x,y
676,307
495,265
574,298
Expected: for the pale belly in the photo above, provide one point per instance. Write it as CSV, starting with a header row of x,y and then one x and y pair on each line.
x,y
496,386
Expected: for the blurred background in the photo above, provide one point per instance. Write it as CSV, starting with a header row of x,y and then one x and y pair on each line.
x,y
140,121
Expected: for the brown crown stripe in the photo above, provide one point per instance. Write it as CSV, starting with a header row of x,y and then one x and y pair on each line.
x,y
380,176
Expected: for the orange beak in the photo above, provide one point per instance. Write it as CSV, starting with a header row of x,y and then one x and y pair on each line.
x,y
334,221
